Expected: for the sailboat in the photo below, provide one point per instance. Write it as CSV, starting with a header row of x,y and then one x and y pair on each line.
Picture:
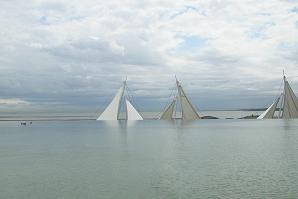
x,y
187,109
112,111
288,104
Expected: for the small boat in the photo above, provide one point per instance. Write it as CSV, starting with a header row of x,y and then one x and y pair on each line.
x,y
187,109
287,102
112,111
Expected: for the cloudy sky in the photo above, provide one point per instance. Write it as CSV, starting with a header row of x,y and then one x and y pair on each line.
x,y
74,54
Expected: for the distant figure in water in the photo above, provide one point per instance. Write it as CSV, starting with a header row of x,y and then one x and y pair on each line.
x,y
23,123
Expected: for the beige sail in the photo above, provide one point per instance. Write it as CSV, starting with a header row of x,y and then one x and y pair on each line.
x,y
113,109
269,113
188,110
131,112
168,113
290,106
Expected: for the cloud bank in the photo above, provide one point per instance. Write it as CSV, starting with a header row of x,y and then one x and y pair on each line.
x,y
228,54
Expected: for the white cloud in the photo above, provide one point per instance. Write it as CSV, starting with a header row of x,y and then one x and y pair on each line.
x,y
12,102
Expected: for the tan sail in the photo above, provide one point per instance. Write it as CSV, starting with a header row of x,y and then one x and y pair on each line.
x,y
188,110
290,106
269,113
168,113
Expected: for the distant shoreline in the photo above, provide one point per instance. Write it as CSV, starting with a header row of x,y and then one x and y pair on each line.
x,y
45,116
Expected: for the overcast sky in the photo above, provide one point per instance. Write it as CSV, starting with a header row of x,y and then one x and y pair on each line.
x,y
74,54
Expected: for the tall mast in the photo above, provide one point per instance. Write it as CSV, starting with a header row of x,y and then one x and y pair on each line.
x,y
121,100
177,84
124,99
280,112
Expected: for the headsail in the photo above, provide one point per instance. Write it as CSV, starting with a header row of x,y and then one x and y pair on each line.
x,y
269,113
113,109
131,112
188,110
290,106
168,113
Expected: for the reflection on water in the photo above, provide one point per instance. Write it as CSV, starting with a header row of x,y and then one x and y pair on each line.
x,y
150,159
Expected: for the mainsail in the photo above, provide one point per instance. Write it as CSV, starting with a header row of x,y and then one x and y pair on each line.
x,y
290,107
289,104
131,112
113,109
168,113
188,110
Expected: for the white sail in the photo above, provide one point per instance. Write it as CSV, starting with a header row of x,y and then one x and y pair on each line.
x,y
168,113
269,113
188,111
131,112
290,105
112,110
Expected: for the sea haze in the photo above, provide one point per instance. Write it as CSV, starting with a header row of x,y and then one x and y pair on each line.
x,y
149,159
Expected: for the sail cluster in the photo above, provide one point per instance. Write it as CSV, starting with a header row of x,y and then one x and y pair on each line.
x,y
112,111
285,106
187,109
288,105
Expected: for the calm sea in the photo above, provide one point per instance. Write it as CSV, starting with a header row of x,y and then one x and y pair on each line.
x,y
149,159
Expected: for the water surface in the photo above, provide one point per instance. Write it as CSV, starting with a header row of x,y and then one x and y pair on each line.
x,y
149,159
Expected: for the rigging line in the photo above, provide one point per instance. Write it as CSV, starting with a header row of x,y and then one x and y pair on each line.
x,y
128,93
158,115
168,103
131,98
276,95
279,90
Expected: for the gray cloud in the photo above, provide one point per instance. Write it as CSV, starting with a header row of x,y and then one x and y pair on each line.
x,y
76,54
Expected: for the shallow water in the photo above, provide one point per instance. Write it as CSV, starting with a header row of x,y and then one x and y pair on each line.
x,y
149,159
